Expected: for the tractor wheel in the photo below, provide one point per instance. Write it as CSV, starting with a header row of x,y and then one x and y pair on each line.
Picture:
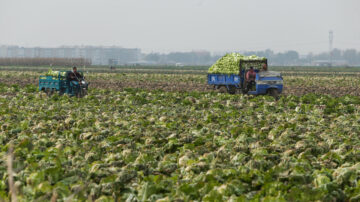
x,y
82,92
61,91
49,92
232,90
274,92
222,89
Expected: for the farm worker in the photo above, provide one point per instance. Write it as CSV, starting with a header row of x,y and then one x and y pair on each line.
x,y
250,78
264,68
75,76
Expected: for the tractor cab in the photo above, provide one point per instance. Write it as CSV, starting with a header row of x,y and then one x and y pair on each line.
x,y
266,82
78,88
59,81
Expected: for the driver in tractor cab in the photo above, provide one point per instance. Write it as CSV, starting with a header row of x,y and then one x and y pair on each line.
x,y
264,68
75,76
250,78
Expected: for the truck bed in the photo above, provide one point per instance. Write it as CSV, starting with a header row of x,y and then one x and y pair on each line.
x,y
50,82
224,79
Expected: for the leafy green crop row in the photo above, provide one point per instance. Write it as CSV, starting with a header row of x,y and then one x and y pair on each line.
x,y
138,145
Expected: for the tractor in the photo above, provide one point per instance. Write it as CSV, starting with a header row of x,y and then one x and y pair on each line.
x,y
266,82
60,83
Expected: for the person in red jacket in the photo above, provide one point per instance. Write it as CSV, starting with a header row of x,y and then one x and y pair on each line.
x,y
264,68
250,78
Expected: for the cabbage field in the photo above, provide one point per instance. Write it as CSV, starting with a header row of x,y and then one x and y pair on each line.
x,y
167,137
295,82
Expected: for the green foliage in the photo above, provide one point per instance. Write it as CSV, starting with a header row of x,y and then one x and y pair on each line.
x,y
55,73
229,64
140,145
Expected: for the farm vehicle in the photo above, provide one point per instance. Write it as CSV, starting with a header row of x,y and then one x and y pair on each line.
x,y
266,82
59,82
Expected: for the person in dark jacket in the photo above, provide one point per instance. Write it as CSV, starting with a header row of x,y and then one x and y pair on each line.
x,y
75,75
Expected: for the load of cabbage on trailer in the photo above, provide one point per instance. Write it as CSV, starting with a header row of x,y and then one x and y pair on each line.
x,y
266,82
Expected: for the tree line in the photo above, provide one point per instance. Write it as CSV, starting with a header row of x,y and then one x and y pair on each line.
x,y
350,57
44,62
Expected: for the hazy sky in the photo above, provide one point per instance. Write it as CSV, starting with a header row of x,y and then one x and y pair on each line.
x,y
183,25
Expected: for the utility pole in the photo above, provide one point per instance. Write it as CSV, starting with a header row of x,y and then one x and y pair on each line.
x,y
331,38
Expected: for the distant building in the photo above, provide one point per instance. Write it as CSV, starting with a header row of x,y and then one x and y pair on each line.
x,y
98,55
328,63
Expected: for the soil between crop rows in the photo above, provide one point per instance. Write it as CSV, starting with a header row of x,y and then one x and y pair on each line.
x,y
191,86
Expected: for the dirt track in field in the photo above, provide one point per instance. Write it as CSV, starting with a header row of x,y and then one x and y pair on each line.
x,y
190,86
